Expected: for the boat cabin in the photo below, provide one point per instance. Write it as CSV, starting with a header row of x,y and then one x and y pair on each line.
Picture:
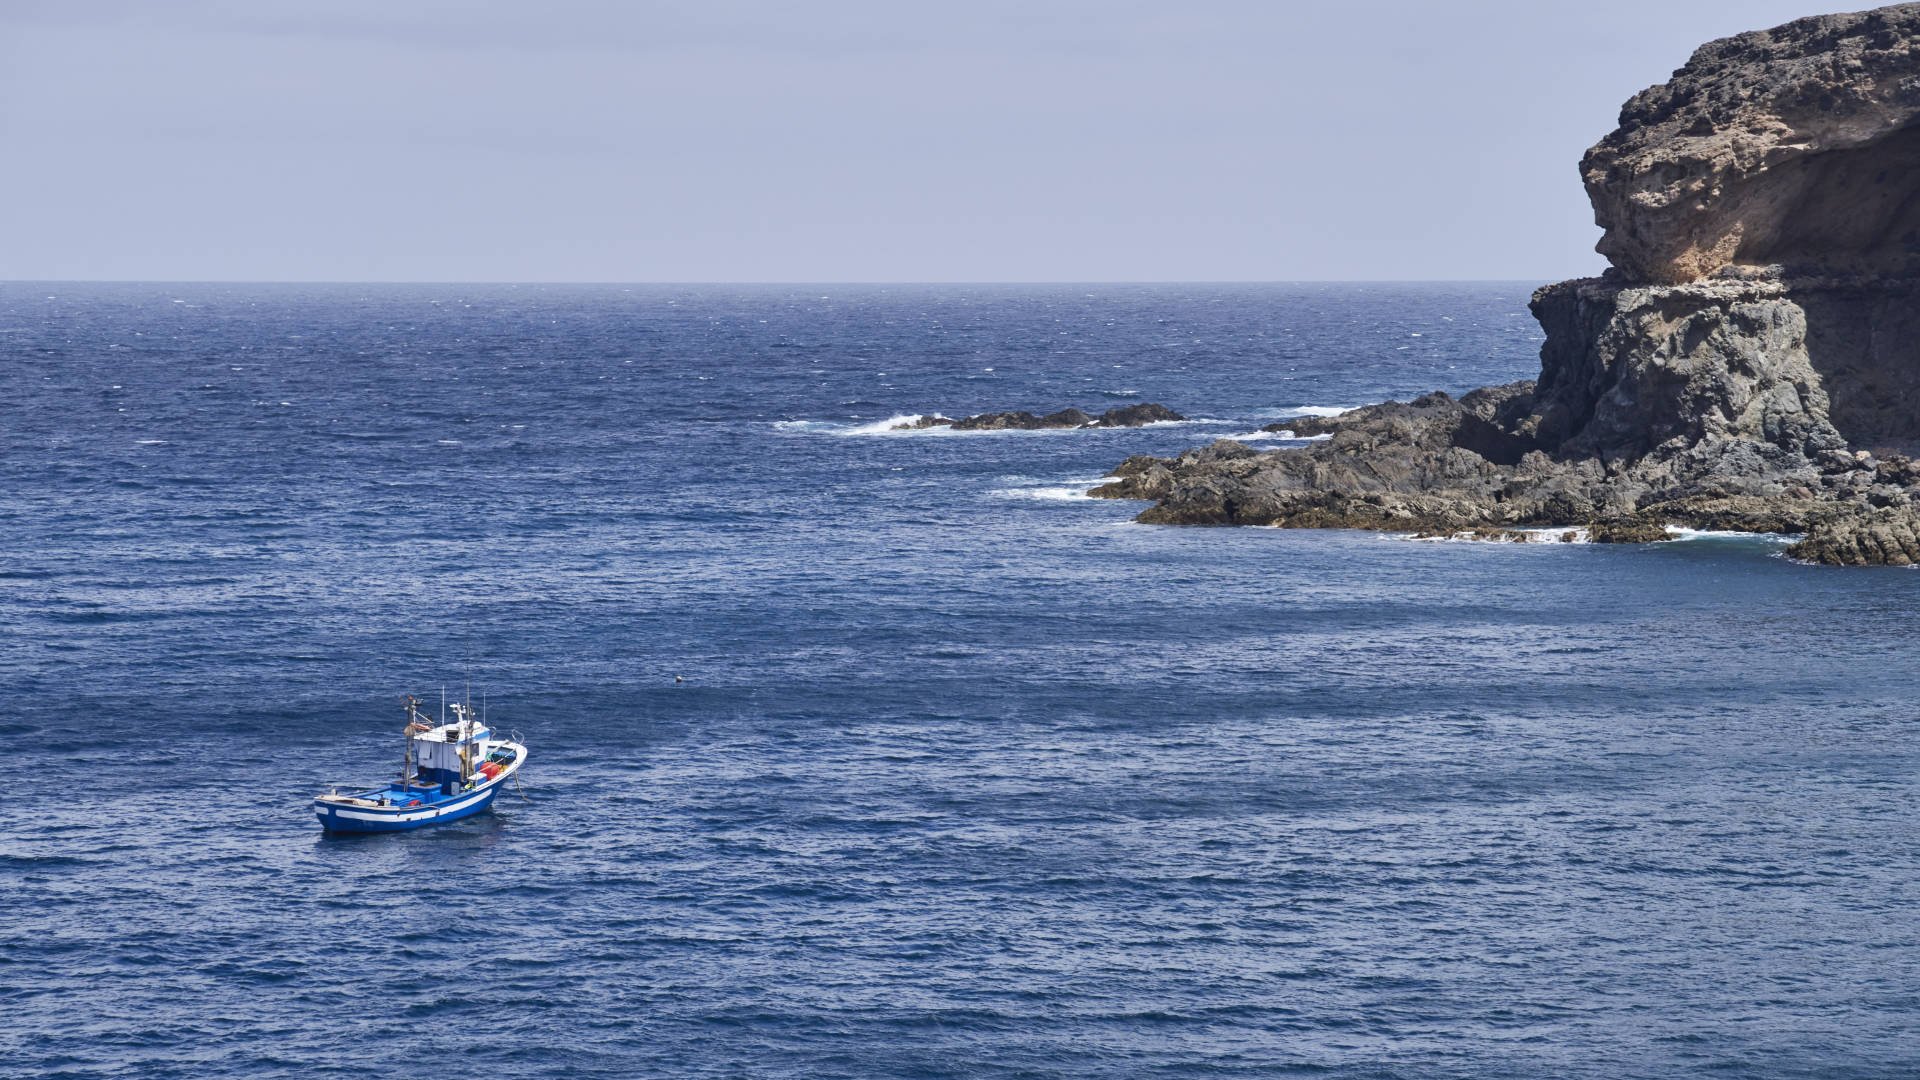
x,y
448,755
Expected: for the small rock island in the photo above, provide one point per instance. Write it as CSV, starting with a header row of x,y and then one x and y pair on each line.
x,y
1750,361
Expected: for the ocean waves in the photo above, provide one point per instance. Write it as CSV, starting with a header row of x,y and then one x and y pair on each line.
x,y
857,752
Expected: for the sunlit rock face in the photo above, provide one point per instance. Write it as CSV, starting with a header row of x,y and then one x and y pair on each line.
x,y
1796,147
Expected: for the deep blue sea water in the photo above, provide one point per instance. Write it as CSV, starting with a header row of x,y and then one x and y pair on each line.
x,y
968,776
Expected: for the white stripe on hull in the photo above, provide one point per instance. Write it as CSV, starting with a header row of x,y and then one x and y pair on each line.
x,y
417,815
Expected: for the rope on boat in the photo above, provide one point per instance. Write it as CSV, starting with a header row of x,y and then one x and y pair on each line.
x,y
514,736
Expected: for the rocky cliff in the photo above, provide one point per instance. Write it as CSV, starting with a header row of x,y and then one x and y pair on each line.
x,y
1752,361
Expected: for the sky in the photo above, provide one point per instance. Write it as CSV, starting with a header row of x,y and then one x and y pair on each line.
x,y
818,140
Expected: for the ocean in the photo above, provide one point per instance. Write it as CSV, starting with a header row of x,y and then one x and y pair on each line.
x,y
858,753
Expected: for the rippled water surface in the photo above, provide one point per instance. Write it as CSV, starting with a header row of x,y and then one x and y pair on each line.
x,y
967,775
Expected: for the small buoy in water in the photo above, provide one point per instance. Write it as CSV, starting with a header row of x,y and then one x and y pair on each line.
x,y
677,678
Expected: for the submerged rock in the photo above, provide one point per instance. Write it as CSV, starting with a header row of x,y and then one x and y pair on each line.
x,y
1023,421
1137,416
1761,398
921,423
1130,416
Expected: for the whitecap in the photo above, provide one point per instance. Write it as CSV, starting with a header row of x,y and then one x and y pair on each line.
x,y
1552,534
887,426
1047,494
1198,420
1730,534
1073,489
877,427
1282,435
902,424
1306,410
150,442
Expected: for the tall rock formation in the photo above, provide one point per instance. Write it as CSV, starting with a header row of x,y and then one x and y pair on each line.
x,y
1752,360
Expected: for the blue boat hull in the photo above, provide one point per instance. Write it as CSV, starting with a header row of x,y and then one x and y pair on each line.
x,y
335,817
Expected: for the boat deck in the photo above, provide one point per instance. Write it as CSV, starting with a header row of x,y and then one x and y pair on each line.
x,y
399,794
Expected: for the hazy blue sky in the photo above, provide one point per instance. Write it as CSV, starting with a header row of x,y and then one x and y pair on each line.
x,y
709,140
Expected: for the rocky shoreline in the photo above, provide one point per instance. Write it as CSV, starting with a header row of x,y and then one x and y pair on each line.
x,y
1750,363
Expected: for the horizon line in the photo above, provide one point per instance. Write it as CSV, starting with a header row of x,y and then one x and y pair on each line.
x,y
790,283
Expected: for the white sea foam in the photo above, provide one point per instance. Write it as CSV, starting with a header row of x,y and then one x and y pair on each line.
x,y
1540,537
1047,494
1304,410
1070,490
1282,435
1553,534
150,442
900,425
1183,423
884,427
874,427
1728,534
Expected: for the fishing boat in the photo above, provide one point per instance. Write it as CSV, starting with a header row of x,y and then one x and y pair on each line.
x,y
452,769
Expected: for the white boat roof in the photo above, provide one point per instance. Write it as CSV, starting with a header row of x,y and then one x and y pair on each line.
x,y
470,731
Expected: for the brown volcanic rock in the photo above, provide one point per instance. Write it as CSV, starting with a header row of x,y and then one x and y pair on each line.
x,y
1796,146
1882,537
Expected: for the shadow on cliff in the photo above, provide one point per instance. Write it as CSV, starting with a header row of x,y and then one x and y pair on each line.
x,y
1865,344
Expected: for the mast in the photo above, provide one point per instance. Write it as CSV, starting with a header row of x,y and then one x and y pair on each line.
x,y
466,748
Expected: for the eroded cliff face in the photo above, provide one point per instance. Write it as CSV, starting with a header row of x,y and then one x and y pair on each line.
x,y
1794,146
1752,362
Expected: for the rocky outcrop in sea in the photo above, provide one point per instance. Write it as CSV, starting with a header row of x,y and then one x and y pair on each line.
x,y
1751,361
